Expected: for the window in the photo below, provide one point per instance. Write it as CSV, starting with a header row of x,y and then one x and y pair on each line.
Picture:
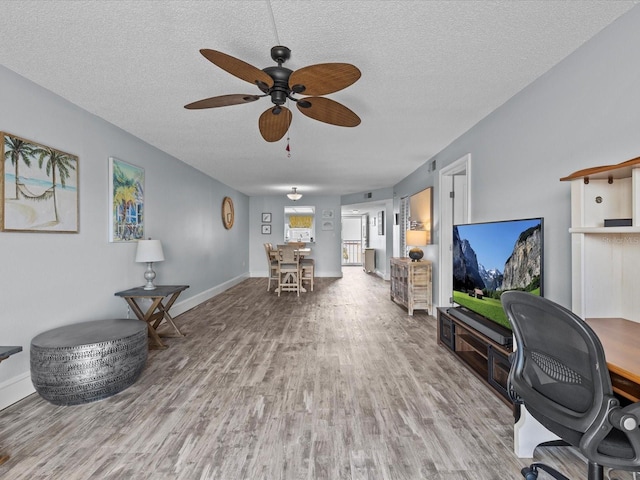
x,y
299,224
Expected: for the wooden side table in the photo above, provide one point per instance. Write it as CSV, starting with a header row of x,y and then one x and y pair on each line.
x,y
411,284
6,352
157,311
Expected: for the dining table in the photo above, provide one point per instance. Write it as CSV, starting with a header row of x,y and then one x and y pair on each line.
x,y
302,252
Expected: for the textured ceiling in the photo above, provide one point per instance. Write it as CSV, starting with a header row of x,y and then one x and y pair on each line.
x,y
430,71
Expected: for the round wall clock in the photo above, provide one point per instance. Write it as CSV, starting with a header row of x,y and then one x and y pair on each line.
x,y
227,213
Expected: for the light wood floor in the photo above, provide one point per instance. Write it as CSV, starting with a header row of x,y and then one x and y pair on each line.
x,y
339,383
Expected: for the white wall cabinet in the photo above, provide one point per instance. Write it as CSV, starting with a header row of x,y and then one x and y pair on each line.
x,y
606,260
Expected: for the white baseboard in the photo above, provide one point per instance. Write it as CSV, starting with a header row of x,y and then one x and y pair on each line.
x,y
20,386
191,302
337,274
15,389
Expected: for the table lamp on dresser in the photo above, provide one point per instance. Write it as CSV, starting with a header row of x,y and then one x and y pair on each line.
x,y
415,239
149,251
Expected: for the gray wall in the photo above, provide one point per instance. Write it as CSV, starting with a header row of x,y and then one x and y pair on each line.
x,y
327,248
50,279
382,243
584,112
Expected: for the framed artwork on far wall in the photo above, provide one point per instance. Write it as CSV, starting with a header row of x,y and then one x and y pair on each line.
x,y
39,186
126,206
266,217
327,213
266,229
381,222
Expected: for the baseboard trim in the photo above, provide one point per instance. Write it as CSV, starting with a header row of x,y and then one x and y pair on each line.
x,y
192,302
15,389
20,386
337,274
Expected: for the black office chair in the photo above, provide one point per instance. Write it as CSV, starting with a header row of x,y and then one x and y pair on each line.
x,y
559,372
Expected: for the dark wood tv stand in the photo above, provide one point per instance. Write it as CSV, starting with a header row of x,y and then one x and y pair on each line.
x,y
485,358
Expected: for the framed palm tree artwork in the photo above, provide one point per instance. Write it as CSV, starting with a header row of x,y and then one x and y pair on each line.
x,y
39,187
126,206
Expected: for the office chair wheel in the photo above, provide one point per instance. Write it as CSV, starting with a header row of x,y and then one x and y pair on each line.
x,y
531,472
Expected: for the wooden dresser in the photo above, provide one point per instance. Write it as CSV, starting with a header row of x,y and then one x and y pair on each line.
x,y
411,284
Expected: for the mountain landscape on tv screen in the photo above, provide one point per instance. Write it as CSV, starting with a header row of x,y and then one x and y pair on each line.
x,y
520,271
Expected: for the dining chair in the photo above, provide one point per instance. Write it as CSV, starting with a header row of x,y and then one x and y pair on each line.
x,y
307,267
273,265
288,269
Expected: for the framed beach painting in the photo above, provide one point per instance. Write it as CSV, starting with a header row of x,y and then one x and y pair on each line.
x,y
126,205
39,187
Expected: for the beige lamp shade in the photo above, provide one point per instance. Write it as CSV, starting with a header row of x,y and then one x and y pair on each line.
x,y
149,251
416,238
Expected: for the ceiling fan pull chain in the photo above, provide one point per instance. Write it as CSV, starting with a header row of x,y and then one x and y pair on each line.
x,y
288,130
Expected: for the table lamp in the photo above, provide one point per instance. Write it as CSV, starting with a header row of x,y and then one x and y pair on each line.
x,y
415,239
149,251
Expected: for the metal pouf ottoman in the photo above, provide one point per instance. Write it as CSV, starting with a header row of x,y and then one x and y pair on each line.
x,y
88,361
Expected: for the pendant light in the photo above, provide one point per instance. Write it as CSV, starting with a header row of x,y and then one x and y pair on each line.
x,y
294,195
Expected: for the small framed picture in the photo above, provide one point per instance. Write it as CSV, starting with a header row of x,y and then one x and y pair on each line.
x,y
266,229
266,218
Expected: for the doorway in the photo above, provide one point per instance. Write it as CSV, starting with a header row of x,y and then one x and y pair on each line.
x,y
454,209
375,233
352,240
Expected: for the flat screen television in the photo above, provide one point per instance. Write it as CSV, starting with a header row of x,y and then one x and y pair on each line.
x,y
489,259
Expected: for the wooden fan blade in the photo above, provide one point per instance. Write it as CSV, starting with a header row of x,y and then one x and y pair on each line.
x,y
324,78
328,111
237,67
222,101
272,126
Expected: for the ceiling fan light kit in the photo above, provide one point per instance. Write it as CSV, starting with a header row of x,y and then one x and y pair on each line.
x,y
281,84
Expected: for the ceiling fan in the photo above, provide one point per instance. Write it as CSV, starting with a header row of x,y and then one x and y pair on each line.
x,y
281,83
